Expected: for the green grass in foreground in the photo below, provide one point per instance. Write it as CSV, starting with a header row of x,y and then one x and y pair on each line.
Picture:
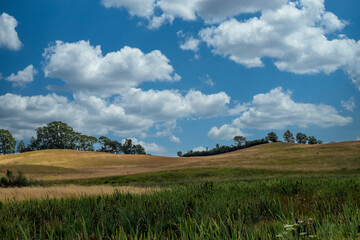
x,y
204,174
274,209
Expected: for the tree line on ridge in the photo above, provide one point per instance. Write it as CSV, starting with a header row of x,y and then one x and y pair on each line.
x,y
242,143
59,135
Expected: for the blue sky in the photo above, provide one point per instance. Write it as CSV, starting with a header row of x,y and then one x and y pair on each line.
x,y
179,75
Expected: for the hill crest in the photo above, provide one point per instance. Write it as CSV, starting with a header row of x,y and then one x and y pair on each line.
x,y
67,164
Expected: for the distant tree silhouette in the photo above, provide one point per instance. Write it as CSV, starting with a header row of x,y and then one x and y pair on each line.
x,y
272,137
288,137
313,140
240,140
21,147
301,138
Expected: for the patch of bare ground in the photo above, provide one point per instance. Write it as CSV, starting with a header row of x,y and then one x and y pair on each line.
x,y
66,191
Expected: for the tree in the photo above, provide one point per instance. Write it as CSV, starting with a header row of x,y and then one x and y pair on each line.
x,y
113,146
179,153
86,143
272,137
312,140
301,138
32,146
7,142
288,137
138,149
56,135
127,147
110,146
240,140
21,147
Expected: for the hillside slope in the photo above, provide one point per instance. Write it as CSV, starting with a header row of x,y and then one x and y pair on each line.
x,y
70,164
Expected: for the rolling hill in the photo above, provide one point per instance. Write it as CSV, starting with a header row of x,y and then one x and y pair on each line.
x,y
267,159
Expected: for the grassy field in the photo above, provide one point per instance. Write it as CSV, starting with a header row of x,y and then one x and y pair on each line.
x,y
272,191
275,158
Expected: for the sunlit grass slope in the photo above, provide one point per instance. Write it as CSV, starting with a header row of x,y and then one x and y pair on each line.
x,y
263,160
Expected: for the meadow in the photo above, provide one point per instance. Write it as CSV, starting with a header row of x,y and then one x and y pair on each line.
x,y
314,193
274,158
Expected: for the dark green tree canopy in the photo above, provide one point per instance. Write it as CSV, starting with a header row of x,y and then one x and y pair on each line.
x,y
240,140
85,143
21,147
301,138
313,140
129,148
110,146
272,137
288,137
113,146
33,145
59,135
7,142
56,135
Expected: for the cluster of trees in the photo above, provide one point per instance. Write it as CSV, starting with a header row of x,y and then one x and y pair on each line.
x,y
113,146
241,143
58,135
289,137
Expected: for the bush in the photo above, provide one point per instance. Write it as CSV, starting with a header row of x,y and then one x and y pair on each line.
x,y
11,181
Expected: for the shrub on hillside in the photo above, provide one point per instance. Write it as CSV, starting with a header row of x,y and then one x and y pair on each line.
x,y
11,181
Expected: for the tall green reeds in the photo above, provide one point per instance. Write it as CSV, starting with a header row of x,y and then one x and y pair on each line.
x,y
275,209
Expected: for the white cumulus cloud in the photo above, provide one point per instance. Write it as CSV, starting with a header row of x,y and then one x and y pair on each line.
x,y
88,114
84,68
8,35
22,77
349,104
141,8
215,11
199,149
211,11
225,132
191,44
167,105
294,35
175,139
131,114
207,80
277,110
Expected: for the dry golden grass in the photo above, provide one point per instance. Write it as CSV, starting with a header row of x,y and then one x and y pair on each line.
x,y
65,191
70,164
